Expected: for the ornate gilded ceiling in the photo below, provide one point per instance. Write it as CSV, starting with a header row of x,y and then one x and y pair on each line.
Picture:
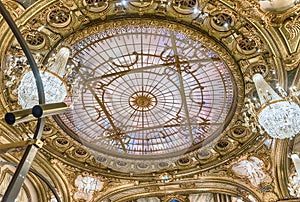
x,y
158,91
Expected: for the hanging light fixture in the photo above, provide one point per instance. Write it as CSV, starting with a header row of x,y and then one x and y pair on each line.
x,y
54,86
278,115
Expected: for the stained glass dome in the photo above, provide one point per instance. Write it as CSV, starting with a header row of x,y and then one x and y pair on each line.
x,y
145,91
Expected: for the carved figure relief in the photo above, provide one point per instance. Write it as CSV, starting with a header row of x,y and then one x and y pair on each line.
x,y
253,169
86,186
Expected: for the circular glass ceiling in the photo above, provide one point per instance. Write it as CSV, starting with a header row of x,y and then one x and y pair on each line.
x,y
147,91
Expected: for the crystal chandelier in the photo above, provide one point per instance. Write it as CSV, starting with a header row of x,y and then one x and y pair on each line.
x,y
52,76
278,115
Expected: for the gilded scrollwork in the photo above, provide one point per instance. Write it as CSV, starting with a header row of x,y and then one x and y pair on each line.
x,y
222,20
96,6
174,197
187,185
270,197
35,40
152,189
293,27
143,6
14,8
59,17
251,10
240,133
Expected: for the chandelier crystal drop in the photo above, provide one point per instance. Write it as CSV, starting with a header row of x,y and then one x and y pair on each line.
x,y
60,62
278,116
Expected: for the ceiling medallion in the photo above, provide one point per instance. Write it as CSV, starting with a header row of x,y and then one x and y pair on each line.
x,y
142,101
146,90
